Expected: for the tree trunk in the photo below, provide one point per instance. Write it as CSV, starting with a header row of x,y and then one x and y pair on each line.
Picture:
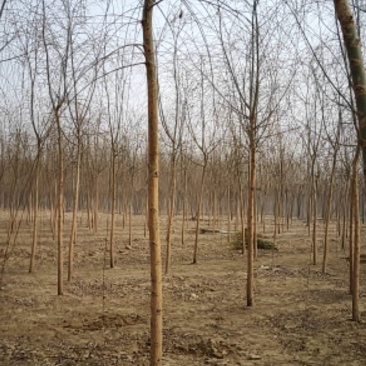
x,y
356,248
60,203
251,218
350,238
242,219
184,199
96,203
255,241
198,211
113,209
354,53
344,220
228,214
74,215
156,351
130,223
214,210
314,221
328,212
35,218
173,184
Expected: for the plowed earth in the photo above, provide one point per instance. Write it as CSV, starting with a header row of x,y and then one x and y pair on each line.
x,y
300,317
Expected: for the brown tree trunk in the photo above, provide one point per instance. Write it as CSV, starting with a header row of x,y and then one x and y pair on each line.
x,y
228,214
184,203
173,184
354,52
251,218
74,216
198,211
344,221
350,238
96,203
242,219
60,204
328,212
156,351
314,220
130,223
113,209
356,316
35,217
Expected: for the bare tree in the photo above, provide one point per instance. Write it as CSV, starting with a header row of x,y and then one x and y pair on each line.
x,y
248,88
57,82
336,147
156,353
174,134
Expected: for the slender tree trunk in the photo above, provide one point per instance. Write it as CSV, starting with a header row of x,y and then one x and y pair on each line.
x,y
156,351
113,209
73,232
328,212
130,223
338,213
276,213
35,217
356,316
184,199
255,241
263,205
96,203
309,208
173,184
237,214
214,210
314,221
344,220
242,218
281,203
198,211
55,210
228,214
350,238
60,203
89,214
51,205
146,217
251,218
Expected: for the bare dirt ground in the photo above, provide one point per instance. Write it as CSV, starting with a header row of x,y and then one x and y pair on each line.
x,y
301,316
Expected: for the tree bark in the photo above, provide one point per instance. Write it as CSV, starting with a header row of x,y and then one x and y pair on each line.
x,y
173,184
184,203
74,214
354,52
35,218
156,351
251,218
60,203
356,316
198,210
351,218
96,203
315,219
228,214
113,208
328,210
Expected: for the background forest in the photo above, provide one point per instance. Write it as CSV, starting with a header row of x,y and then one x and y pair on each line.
x,y
257,128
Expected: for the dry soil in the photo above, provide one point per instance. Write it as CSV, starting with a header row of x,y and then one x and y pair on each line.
x,y
300,317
